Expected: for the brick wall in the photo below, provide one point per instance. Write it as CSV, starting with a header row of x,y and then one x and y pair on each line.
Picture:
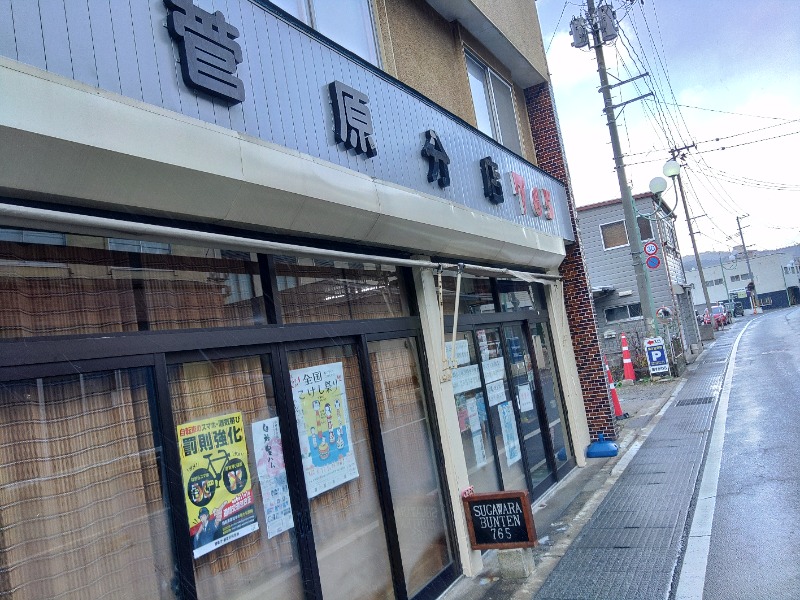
x,y
577,291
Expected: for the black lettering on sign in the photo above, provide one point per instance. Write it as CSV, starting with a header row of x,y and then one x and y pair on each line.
x,y
500,520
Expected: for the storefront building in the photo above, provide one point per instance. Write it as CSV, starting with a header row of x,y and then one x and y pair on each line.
x,y
266,309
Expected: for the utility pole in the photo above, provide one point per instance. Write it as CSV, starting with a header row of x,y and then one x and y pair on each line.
x,y
634,237
753,293
706,297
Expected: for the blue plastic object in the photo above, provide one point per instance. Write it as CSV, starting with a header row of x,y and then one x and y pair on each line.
x,y
601,448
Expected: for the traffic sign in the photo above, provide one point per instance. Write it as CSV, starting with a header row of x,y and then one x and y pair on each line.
x,y
653,262
650,248
656,355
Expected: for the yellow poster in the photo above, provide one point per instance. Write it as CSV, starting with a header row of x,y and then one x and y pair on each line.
x,y
216,481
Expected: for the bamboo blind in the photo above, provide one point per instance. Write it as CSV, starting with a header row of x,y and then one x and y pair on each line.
x,y
413,475
347,520
82,516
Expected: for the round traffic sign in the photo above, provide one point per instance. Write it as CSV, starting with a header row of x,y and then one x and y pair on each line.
x,y
653,262
650,248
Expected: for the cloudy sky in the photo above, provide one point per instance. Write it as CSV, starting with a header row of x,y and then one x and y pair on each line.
x,y
726,74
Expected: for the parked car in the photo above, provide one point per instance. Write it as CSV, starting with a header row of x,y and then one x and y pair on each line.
x,y
719,314
738,309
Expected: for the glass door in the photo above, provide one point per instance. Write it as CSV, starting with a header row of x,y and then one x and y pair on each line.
x,y
337,456
240,520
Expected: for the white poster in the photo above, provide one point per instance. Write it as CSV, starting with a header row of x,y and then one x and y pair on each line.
x,y
525,398
510,438
462,351
472,415
480,449
494,369
466,378
496,392
323,422
268,449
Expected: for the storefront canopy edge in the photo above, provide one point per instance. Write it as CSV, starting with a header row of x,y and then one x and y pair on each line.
x,y
39,218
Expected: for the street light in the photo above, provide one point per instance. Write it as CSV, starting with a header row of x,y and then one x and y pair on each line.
x,y
672,169
658,185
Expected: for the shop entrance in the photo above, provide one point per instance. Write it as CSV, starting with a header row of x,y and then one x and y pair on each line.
x,y
508,400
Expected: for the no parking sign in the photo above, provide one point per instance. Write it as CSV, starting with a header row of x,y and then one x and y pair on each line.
x,y
656,355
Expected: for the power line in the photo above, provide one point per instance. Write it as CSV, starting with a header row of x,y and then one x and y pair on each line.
x,y
725,137
727,112
774,137
555,29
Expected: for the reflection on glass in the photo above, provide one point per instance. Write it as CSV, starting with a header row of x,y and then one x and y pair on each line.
x,y
472,416
413,474
254,563
68,284
551,391
501,409
506,116
314,290
525,386
475,294
480,96
347,519
518,295
82,508
349,24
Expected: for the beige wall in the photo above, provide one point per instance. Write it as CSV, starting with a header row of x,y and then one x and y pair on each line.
x,y
424,51
518,21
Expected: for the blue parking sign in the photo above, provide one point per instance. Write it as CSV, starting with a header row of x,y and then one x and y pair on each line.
x,y
657,358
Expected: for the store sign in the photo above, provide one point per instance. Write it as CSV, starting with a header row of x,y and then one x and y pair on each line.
x,y
539,202
453,161
352,119
208,52
500,520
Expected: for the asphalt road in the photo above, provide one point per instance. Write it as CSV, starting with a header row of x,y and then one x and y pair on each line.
x,y
755,535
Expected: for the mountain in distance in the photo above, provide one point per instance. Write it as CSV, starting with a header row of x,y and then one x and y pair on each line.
x,y
709,259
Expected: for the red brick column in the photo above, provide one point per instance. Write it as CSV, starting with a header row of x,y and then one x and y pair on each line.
x,y
577,290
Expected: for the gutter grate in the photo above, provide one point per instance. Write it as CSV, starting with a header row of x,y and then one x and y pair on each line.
x,y
694,401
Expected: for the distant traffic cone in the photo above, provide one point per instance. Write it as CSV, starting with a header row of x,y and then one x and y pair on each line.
x,y
614,397
627,365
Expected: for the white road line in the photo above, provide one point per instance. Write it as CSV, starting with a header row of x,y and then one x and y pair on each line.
x,y
692,578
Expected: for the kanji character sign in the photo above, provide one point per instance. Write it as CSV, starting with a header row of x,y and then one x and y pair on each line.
x,y
208,52
352,120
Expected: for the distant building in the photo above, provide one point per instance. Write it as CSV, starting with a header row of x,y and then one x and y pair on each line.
x,y
776,276
618,307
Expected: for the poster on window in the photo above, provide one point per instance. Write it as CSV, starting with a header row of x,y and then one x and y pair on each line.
x,y
323,422
268,450
509,428
216,482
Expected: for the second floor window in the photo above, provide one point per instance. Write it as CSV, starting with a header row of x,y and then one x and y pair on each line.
x,y
347,22
494,104
615,235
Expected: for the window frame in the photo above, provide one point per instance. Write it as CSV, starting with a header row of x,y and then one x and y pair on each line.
x,y
494,115
627,307
308,16
627,237
602,237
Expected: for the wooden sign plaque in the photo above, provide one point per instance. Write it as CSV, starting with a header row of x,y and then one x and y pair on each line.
x,y
500,520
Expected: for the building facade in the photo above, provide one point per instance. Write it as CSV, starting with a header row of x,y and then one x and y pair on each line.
x,y
775,274
280,281
616,296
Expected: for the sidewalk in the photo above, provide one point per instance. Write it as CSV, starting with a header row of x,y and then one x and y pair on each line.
x,y
615,528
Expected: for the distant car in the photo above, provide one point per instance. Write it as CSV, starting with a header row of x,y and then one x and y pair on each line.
x,y
738,309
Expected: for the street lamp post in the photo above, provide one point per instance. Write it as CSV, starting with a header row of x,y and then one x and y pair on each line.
x,y
672,169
